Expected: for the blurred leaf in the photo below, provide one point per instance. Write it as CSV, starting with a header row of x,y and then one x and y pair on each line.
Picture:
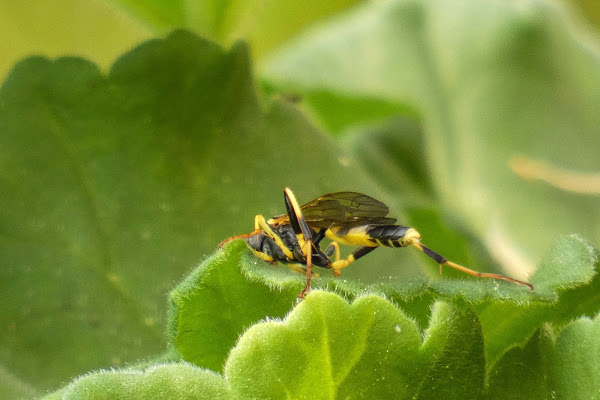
x,y
101,30
513,80
268,25
392,152
344,111
265,24
14,388
114,186
94,29
167,14
97,224
588,9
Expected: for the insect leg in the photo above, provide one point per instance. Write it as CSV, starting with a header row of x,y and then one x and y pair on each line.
x,y
355,255
443,261
297,220
320,235
333,248
299,268
303,233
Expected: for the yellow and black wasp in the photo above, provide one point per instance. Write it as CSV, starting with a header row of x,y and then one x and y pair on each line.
x,y
347,218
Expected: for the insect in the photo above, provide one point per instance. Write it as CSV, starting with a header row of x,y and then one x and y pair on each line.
x,y
347,218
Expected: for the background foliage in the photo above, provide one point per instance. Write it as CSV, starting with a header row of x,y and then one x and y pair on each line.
x,y
475,121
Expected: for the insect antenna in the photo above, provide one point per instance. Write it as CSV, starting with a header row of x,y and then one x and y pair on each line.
x,y
244,236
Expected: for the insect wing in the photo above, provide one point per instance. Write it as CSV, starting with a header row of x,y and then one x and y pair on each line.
x,y
342,209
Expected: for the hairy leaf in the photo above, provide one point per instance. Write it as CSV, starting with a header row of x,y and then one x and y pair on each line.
x,y
162,381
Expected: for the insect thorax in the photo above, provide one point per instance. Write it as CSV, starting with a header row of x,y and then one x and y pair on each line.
x,y
267,248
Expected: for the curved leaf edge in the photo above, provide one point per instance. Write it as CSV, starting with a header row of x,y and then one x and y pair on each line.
x,y
437,346
471,290
185,380
167,380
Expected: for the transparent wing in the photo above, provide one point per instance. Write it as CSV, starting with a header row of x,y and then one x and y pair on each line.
x,y
344,209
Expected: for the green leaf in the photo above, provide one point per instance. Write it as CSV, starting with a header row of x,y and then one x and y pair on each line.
x,y
94,29
101,30
15,388
491,81
570,264
454,345
210,309
216,303
162,381
392,152
327,348
588,9
569,274
334,346
364,110
265,24
564,365
522,372
574,362
96,224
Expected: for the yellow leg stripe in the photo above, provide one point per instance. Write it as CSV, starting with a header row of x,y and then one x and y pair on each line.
x,y
337,250
295,205
262,256
340,264
298,268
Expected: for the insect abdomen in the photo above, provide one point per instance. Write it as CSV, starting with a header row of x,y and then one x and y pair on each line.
x,y
392,235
